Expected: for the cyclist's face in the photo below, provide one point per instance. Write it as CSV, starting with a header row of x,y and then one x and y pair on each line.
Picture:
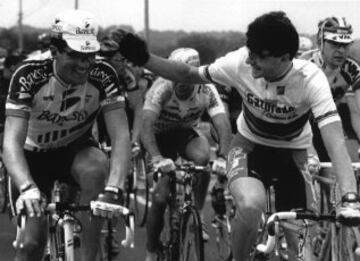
x,y
264,65
118,61
73,67
183,91
335,53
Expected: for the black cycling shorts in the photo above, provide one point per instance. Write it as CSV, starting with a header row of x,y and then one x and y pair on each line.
x,y
285,169
173,143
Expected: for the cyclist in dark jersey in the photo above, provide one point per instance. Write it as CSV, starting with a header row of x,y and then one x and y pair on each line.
x,y
50,110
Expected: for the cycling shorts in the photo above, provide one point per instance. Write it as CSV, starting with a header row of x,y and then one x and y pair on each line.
x,y
285,169
54,164
172,143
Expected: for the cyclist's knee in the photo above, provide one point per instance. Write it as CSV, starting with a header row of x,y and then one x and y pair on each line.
x,y
198,151
90,178
249,197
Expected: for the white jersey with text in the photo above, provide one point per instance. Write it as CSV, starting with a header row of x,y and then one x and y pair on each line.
x,y
345,78
175,113
276,113
60,113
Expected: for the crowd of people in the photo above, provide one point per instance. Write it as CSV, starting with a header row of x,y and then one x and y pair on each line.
x,y
274,104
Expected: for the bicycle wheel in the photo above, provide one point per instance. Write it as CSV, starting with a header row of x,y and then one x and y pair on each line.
x,y
223,237
345,242
191,241
140,191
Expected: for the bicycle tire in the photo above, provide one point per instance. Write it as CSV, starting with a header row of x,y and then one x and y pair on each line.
x,y
344,242
191,245
140,191
223,238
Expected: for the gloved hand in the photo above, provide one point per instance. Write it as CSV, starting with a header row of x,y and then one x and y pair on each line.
x,y
348,213
219,166
108,203
313,164
131,46
30,201
165,165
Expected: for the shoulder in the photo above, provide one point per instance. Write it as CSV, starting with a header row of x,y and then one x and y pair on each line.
x,y
103,74
160,92
32,72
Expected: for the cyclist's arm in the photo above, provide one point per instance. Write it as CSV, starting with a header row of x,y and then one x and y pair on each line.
x,y
334,141
175,71
222,125
13,155
118,130
148,132
136,102
354,106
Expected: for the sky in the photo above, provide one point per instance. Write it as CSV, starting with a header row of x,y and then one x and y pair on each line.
x,y
187,15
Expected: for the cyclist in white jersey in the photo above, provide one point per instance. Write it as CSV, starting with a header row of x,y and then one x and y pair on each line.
x,y
334,38
279,93
171,114
50,110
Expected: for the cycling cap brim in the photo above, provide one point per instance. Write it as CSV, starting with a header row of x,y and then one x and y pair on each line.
x,y
84,44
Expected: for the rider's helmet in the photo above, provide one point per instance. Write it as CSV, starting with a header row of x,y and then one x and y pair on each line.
x,y
335,29
44,41
305,44
186,55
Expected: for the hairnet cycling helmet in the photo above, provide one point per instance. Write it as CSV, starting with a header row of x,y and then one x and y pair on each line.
x,y
335,29
186,55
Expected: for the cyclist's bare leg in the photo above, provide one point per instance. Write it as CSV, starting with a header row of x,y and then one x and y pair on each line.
x,y
198,151
250,199
249,196
90,168
155,219
34,240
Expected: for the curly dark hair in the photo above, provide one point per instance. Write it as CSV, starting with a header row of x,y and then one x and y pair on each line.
x,y
273,32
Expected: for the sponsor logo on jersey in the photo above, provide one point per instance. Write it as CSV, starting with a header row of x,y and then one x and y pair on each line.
x,y
48,98
34,77
280,90
271,107
57,118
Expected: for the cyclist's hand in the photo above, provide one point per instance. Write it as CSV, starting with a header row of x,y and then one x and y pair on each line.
x,y
219,166
109,202
30,202
135,149
165,165
131,46
313,164
349,212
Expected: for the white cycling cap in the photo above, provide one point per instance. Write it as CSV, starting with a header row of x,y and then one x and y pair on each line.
x,y
78,29
186,55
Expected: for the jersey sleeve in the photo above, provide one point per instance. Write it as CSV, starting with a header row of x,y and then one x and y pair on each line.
x,y
225,70
215,105
23,86
157,95
111,92
321,101
350,70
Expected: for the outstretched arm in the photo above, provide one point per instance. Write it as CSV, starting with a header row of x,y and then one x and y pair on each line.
x,y
174,71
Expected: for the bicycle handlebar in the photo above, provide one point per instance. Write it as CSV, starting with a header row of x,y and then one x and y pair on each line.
x,y
61,207
290,215
355,165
